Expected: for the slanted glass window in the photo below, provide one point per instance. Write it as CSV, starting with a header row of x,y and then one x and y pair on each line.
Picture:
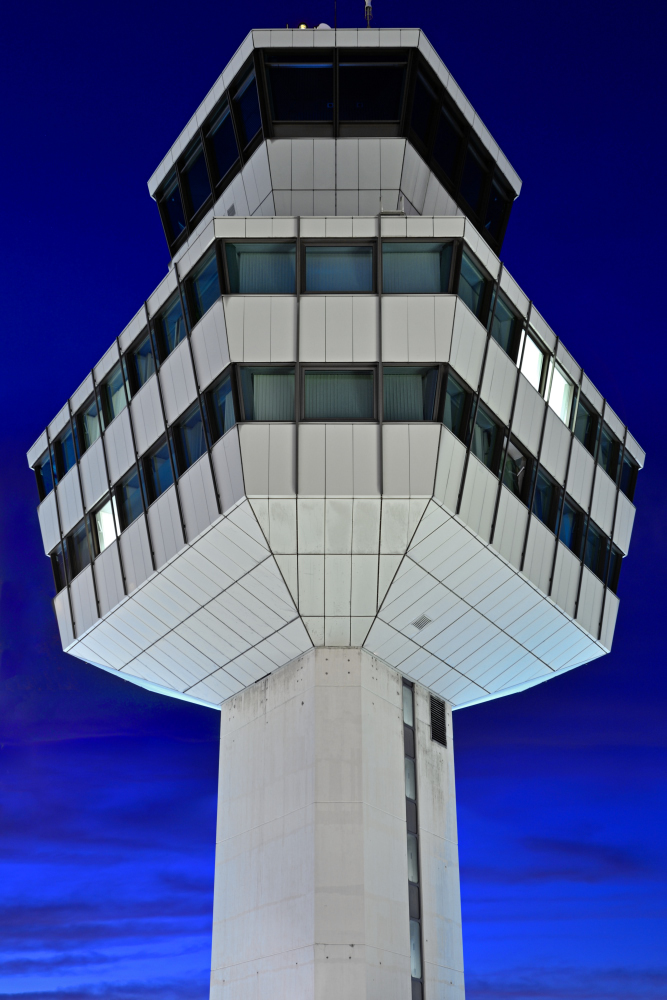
x,y
629,473
44,475
205,286
339,269
423,105
409,393
223,143
370,87
247,108
447,144
261,268
158,470
456,408
472,285
129,503
415,950
472,179
105,525
170,327
496,211
79,548
545,502
141,362
112,394
532,362
411,268
615,560
172,211
58,567
89,424
517,471
189,439
194,176
506,327
64,452
413,859
221,407
300,91
268,393
571,526
410,779
486,439
338,395
586,425
596,550
561,395
608,452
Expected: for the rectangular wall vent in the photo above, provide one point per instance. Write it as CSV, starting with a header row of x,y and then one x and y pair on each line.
x,y
438,722
421,622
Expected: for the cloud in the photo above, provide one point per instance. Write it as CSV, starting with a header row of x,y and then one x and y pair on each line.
x,y
575,984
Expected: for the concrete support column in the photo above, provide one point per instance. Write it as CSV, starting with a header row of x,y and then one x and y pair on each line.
x,y
311,879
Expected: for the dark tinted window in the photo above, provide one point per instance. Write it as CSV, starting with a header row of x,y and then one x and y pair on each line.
x,y
44,475
247,105
506,327
141,363
339,269
545,502
371,90
571,526
342,395
172,208
65,454
409,393
585,425
189,438
416,267
89,424
205,286
608,452
261,268
472,179
595,551
457,405
447,144
517,471
170,326
195,179
472,285
268,393
629,471
300,91
221,407
157,466
223,143
422,109
496,211
615,560
486,439
112,394
78,548
128,499
58,567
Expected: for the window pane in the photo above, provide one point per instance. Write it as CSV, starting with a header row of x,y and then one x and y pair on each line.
x,y
517,472
223,142
496,211
370,91
408,706
413,859
78,549
262,268
545,503
472,181
409,393
485,439
561,395
58,567
159,475
205,286
456,405
571,524
505,328
410,780
221,409
44,476
608,453
595,553
585,426
346,395
447,144
89,424
142,363
173,211
247,105
128,499
170,326
195,177
629,473
300,91
415,950
105,526
190,438
615,562
422,109
416,267
268,393
113,395
472,284
339,269
64,452
532,363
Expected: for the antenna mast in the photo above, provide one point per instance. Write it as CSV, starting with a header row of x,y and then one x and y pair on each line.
x,y
368,12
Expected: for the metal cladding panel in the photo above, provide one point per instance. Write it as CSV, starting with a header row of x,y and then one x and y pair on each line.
x,y
165,527
93,473
177,378
108,578
147,415
84,608
70,503
209,345
136,554
47,513
118,445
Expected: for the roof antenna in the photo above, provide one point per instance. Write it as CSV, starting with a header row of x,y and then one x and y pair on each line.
x,y
368,12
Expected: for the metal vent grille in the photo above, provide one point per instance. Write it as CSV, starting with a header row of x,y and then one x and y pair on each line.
x,y
438,722
421,622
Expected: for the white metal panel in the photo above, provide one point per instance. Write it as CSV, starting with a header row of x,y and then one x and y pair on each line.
x,y
633,447
136,554
625,518
37,449
281,524
312,328
136,326
147,415
338,328
580,474
108,578
64,618
69,500
118,446
59,421
81,394
394,328
479,498
500,375
468,341
177,378
228,467
594,397
590,602
451,459
84,608
165,527
543,330
604,501
254,440
337,585
396,459
283,328
365,460
366,525
539,554
609,619
566,579
198,500
93,473
614,422
337,525
555,446
414,178
516,296
164,290
510,530
339,459
47,513
104,366
528,415
209,345
364,329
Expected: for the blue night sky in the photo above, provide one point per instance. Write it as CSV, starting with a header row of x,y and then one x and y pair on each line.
x,y
107,792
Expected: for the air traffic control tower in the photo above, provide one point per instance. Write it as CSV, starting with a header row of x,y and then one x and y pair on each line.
x,y
337,477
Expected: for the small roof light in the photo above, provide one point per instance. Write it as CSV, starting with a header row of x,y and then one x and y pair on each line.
x,y
303,25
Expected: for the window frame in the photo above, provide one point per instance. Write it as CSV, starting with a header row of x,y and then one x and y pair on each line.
x,y
84,521
207,402
379,266
146,477
581,524
530,333
175,432
187,282
223,268
489,283
371,242
286,366
133,381
440,382
530,475
468,406
334,367
497,455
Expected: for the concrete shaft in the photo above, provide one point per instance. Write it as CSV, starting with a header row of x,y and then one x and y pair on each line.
x,y
311,877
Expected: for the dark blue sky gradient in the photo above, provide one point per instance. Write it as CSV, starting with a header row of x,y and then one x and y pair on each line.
x,y
107,792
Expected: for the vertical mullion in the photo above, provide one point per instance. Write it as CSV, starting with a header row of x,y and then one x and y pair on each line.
x,y
86,515
552,364
62,537
559,516
611,534
590,508
108,477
